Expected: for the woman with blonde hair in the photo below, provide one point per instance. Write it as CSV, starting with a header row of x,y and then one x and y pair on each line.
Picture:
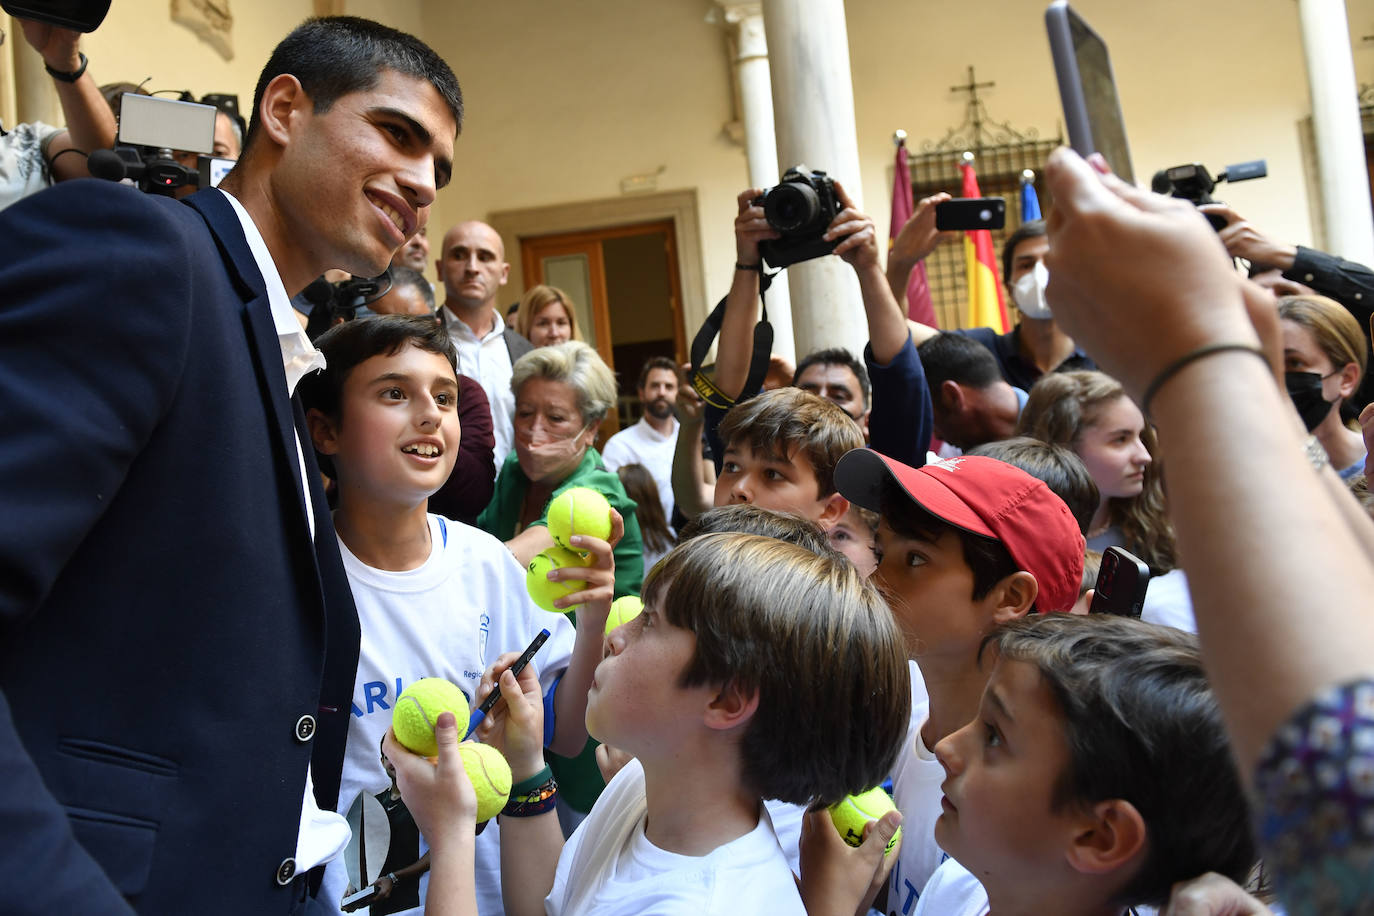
x,y
1090,413
1324,354
546,317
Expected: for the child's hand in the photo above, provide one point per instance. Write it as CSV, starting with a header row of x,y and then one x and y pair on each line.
x,y
439,795
611,760
838,879
515,725
1212,895
595,599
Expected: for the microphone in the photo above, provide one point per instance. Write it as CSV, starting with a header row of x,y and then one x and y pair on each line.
x,y
107,164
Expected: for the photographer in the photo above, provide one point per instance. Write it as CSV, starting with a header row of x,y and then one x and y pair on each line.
x,y
33,155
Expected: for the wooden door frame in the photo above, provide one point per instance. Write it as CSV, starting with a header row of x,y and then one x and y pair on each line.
x,y
678,207
590,247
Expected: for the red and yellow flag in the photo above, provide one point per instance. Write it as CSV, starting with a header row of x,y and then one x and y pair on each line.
x,y
919,306
986,306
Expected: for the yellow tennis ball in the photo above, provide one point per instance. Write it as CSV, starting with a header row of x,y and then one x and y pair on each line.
x,y
418,708
579,510
853,813
623,610
490,775
544,592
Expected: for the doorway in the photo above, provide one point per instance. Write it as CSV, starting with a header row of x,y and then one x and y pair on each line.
x,y
626,292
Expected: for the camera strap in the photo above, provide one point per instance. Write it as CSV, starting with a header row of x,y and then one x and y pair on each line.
x,y
704,385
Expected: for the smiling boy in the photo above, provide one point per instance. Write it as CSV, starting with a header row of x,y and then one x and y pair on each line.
x,y
435,597
1096,774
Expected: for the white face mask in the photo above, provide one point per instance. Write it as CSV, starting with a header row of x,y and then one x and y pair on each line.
x,y
1029,293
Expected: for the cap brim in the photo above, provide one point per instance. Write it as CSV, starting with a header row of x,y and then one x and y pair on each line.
x,y
861,475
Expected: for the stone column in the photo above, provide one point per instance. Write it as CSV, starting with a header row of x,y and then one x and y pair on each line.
x,y
1336,125
750,48
813,110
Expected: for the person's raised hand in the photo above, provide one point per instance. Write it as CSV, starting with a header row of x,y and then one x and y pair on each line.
x,y
1243,240
751,227
611,760
1212,895
1138,280
838,879
438,794
858,237
58,46
918,236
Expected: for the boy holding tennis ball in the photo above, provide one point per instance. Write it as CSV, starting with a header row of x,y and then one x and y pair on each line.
x,y
435,597
702,689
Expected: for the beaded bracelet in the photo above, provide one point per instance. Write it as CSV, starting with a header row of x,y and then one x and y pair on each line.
x,y
528,800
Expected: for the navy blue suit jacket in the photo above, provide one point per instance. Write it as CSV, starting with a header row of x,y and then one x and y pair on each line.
x,y
165,618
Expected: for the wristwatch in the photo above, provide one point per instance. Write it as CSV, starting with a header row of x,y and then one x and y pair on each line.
x,y
391,876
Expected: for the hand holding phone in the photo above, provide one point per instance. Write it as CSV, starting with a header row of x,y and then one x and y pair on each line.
x,y
1121,584
971,213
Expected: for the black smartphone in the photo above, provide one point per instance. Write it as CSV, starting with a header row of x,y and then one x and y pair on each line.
x,y
1087,89
81,15
1121,584
971,213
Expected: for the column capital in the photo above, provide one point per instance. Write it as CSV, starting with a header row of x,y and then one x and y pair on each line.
x,y
745,17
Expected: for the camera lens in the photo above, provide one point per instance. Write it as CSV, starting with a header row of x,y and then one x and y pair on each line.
x,y
791,206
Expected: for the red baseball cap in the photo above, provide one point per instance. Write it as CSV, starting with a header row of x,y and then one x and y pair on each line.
x,y
986,497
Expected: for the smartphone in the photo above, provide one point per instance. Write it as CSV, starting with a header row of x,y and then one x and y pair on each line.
x,y
354,901
81,15
146,120
1087,89
971,213
1122,582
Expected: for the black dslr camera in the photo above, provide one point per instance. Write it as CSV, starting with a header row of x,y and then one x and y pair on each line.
x,y
800,208
1194,183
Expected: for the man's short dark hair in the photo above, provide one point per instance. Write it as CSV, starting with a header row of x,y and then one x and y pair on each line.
x,y
652,363
334,56
836,356
402,276
957,358
1032,229
1059,467
1141,724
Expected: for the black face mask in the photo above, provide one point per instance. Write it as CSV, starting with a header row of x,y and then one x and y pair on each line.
x,y
1305,391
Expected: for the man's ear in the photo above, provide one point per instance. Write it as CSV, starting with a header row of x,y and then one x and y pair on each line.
x,y
1111,835
732,707
282,97
863,422
1013,596
951,396
835,508
323,432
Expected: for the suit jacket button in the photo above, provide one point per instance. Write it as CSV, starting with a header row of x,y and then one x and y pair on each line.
x,y
286,871
305,728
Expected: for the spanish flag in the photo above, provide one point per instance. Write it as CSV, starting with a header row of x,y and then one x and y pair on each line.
x,y
986,307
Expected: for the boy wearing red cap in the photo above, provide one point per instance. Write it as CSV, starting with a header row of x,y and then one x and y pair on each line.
x,y
963,545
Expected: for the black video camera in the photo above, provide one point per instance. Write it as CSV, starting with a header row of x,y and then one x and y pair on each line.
x,y
800,208
334,303
1194,183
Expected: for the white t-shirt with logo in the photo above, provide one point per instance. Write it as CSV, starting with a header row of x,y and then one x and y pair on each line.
x,y
450,618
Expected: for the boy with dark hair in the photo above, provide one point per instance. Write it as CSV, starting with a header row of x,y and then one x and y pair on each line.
x,y
435,597
964,544
704,689
781,448
1096,775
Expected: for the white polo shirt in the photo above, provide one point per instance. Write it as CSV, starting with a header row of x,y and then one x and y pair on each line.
x,y
487,359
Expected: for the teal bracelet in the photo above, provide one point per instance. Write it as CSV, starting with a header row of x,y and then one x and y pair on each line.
x,y
524,786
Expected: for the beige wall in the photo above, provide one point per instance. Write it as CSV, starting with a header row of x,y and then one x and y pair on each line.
x,y
566,99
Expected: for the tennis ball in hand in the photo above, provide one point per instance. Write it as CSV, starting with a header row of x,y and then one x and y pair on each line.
x,y
418,708
623,610
544,592
490,775
854,812
579,510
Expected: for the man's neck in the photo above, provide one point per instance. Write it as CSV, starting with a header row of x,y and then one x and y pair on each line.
x,y
255,195
1043,344
694,808
480,319
955,688
663,427
383,536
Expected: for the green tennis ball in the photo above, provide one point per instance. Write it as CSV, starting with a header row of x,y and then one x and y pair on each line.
x,y
544,592
579,510
490,775
418,708
623,610
853,813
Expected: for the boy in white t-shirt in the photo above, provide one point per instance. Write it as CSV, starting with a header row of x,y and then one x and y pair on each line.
x,y
739,681
435,597
1095,776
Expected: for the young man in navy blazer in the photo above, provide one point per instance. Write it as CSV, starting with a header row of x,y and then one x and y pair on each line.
x,y
177,638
